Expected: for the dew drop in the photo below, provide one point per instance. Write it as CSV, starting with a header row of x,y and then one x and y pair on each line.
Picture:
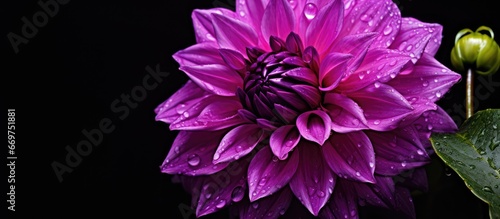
x,y
409,47
376,122
209,36
293,3
177,150
221,203
185,114
193,160
282,211
487,189
438,94
216,156
239,148
425,84
355,122
310,11
255,205
403,164
180,108
358,174
262,181
365,17
393,75
353,213
387,30
320,193
377,84
420,152
242,13
237,194
371,164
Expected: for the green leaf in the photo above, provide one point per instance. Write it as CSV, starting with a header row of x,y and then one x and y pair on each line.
x,y
474,154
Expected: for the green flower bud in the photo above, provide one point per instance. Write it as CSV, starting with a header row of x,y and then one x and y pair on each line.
x,y
476,50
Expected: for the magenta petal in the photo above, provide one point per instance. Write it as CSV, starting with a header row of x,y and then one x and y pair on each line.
x,y
267,175
210,113
398,151
191,153
283,140
404,202
303,74
416,37
270,207
223,188
428,81
285,114
436,121
379,65
183,99
413,179
233,59
233,34
351,156
383,106
215,78
347,115
309,93
198,54
357,45
325,27
313,182
278,19
314,126
238,142
381,16
343,204
332,70
380,194
202,22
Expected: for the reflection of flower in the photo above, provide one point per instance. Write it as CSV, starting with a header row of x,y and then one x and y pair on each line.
x,y
325,101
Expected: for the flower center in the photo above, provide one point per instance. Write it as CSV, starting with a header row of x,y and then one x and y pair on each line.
x,y
281,84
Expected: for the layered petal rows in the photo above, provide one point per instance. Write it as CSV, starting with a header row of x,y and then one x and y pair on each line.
x,y
326,102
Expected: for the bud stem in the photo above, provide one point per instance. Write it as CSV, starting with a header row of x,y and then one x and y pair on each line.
x,y
469,99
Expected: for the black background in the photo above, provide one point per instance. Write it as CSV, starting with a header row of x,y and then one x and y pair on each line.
x,y
65,78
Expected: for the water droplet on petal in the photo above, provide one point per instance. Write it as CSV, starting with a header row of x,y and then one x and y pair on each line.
x,y
262,181
255,205
237,194
425,84
282,211
371,164
216,156
438,94
293,3
376,122
193,160
403,164
420,152
180,108
177,149
209,36
310,11
242,13
365,17
358,174
320,193
185,114
387,30
376,84
221,203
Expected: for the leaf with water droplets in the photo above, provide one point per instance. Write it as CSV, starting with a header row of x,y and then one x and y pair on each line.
x,y
473,154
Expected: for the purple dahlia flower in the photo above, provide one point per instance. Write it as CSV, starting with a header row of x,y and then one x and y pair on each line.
x,y
327,102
